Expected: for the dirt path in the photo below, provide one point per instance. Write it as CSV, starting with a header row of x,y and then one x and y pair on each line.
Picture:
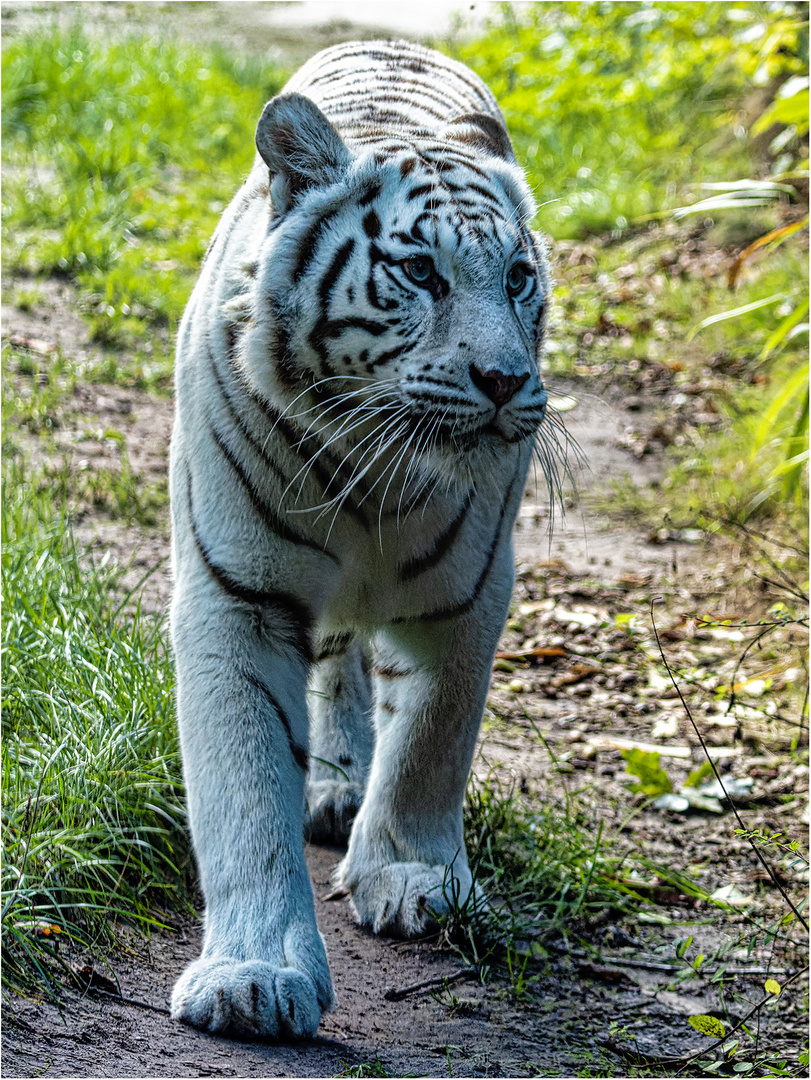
x,y
565,1025
468,1030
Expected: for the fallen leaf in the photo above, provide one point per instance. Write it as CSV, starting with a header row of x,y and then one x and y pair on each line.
x,y
540,651
732,895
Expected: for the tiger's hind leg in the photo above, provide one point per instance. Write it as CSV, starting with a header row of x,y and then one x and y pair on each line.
x,y
341,740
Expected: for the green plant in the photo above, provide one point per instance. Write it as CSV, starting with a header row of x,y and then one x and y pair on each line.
x,y
123,157
610,104
653,780
93,820
366,1068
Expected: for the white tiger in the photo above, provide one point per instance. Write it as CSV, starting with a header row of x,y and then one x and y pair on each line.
x,y
358,397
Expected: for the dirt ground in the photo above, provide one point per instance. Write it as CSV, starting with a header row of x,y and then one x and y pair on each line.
x,y
589,1010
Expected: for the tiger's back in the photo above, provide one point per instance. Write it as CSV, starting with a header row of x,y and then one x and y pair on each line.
x,y
369,90
358,399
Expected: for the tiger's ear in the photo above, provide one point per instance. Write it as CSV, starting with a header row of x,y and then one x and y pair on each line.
x,y
482,131
300,147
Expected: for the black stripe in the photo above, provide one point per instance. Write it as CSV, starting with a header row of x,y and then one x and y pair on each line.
x,y
443,543
454,610
421,189
404,238
334,645
392,354
371,225
369,195
390,672
241,426
300,755
297,613
483,191
335,327
309,243
270,518
306,450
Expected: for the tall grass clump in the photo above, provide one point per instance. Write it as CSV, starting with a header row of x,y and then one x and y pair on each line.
x,y
120,157
545,865
93,818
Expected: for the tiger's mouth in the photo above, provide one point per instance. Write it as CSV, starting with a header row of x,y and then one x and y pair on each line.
x,y
491,435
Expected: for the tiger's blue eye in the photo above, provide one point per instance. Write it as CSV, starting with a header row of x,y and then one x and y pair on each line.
x,y
420,269
517,278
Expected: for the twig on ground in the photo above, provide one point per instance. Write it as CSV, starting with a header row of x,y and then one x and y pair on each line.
x,y
93,991
427,984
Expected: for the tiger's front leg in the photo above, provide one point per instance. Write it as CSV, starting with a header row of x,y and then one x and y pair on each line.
x,y
243,725
407,851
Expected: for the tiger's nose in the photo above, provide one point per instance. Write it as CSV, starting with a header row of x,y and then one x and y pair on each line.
x,y
496,385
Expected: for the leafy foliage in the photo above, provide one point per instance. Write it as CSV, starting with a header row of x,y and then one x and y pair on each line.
x,y
609,104
644,764
708,1025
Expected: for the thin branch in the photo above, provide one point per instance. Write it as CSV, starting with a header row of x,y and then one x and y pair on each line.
x,y
686,707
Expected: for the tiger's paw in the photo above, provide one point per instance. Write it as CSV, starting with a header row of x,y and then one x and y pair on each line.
x,y
250,999
332,806
405,899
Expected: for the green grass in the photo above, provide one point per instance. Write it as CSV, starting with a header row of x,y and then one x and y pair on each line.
x,y
613,106
120,158
93,819
544,865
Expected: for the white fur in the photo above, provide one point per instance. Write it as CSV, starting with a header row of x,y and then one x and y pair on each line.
x,y
262,544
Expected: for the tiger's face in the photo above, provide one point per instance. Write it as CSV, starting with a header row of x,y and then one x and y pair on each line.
x,y
409,279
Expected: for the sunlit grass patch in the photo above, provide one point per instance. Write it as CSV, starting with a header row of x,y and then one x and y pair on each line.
x,y
120,159
612,106
93,818
544,864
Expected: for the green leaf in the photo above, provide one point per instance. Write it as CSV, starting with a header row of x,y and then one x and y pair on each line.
x,y
682,946
772,986
697,775
743,1067
645,764
791,110
783,330
707,1025
733,313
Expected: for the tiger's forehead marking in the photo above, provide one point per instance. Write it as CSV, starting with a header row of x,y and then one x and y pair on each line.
x,y
441,192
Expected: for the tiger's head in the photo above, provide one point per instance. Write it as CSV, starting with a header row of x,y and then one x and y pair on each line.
x,y
402,274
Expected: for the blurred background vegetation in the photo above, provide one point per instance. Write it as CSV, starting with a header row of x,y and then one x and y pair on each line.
x,y
667,146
